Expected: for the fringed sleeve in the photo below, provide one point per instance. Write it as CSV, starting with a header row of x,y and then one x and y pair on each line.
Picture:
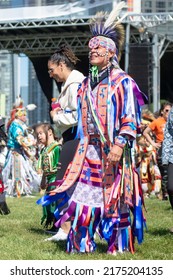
x,y
126,112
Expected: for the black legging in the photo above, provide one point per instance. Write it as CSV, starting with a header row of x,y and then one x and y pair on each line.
x,y
164,172
170,183
68,151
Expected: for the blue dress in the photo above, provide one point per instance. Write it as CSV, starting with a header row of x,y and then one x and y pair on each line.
x,y
19,176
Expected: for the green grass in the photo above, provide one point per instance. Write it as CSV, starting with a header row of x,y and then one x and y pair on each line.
x,y
22,236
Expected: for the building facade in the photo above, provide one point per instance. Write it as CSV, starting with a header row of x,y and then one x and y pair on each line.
x,y
37,97
156,6
8,78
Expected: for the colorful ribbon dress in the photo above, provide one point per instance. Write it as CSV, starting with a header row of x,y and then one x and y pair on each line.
x,y
102,196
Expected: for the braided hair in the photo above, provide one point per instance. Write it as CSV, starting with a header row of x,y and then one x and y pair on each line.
x,y
66,55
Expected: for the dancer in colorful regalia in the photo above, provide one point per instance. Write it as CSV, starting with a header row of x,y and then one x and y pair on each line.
x,y
48,163
19,176
157,128
102,183
146,160
4,210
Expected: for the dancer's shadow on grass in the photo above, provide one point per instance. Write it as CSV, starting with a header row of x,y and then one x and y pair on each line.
x,y
159,232
37,231
60,245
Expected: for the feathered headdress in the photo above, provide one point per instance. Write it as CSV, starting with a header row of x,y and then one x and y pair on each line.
x,y
19,110
18,104
110,26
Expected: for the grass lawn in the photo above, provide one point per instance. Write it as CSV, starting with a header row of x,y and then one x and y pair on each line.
x,y
22,236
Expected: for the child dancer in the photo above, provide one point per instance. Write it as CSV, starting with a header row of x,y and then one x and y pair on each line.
x,y
48,163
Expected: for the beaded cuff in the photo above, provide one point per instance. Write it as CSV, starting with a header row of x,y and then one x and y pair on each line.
x,y
120,141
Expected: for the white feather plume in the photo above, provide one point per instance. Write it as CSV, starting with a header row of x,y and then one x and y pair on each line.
x,y
115,13
31,107
121,19
18,101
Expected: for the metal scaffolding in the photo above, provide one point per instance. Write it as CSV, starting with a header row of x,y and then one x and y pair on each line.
x,y
41,37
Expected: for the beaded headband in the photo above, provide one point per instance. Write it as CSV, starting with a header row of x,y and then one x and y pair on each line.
x,y
20,112
103,42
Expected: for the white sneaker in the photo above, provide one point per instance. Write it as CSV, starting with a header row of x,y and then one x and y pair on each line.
x,y
114,253
60,235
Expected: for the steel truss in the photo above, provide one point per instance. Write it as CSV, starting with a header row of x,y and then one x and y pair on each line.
x,y
150,20
42,36
44,45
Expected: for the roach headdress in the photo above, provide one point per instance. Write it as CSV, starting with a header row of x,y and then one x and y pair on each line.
x,y
110,27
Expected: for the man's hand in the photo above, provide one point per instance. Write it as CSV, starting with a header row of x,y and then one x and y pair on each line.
x,y
115,154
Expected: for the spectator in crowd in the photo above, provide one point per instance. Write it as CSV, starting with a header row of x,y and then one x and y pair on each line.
x,y
61,67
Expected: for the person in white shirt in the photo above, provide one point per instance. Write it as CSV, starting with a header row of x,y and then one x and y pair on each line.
x,y
61,67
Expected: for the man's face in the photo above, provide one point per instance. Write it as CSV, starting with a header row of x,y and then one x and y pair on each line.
x,y
99,57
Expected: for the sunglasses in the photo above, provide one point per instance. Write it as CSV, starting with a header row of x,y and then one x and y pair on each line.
x,y
166,111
